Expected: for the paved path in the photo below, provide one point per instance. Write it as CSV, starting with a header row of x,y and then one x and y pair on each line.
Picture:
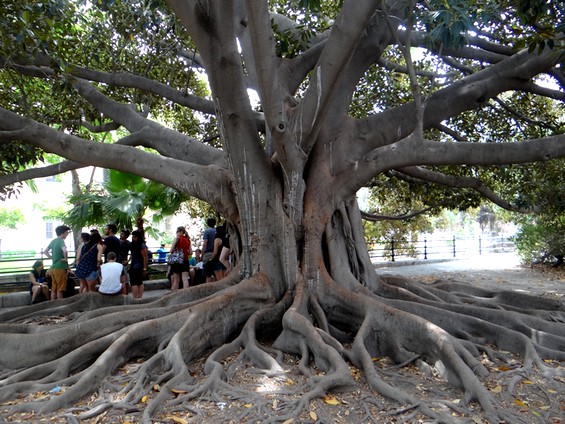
x,y
493,261
499,271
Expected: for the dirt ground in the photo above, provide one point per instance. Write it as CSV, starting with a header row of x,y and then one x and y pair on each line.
x,y
531,396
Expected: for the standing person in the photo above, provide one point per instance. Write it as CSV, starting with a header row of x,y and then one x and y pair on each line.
x,y
57,251
215,265
181,272
111,242
124,254
208,247
84,238
138,265
112,277
89,261
226,250
38,287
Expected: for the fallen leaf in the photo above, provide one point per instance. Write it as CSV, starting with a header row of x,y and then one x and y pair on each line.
x,y
289,421
144,399
248,405
520,402
496,389
527,382
156,387
178,391
289,382
331,400
313,415
178,420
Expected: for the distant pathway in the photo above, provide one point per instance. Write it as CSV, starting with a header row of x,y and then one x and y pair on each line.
x,y
498,271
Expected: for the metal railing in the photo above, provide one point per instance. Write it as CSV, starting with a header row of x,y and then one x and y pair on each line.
x,y
14,264
445,248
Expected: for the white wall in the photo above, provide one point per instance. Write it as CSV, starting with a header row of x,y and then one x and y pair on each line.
x,y
32,233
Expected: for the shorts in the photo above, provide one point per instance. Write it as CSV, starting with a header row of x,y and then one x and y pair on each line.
x,y
136,277
92,276
180,268
58,280
218,266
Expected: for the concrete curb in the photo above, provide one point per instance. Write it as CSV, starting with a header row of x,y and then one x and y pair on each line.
x,y
16,299
409,262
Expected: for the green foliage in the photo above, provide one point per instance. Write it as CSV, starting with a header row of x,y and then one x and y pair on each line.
x,y
541,234
10,218
448,21
312,17
546,18
541,238
104,35
141,37
122,200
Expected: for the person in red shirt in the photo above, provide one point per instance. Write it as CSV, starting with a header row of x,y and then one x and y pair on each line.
x,y
180,271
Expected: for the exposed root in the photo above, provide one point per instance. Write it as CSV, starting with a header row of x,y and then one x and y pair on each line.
x,y
105,342
334,331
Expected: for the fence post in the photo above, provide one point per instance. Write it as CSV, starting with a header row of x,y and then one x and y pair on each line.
x,y
453,246
392,249
480,246
425,248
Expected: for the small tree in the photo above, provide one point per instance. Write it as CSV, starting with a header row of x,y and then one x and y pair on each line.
x,y
124,200
541,239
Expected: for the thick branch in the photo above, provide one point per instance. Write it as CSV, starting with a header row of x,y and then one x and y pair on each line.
x,y
46,171
472,92
205,182
167,142
463,182
373,217
121,79
265,61
340,47
410,152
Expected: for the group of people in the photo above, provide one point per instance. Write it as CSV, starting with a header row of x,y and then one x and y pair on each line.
x,y
110,264
211,263
98,260
107,264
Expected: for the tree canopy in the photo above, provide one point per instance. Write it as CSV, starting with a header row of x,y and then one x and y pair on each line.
x,y
276,113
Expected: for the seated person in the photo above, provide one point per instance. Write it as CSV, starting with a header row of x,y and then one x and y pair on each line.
x,y
39,289
197,268
71,284
162,255
112,276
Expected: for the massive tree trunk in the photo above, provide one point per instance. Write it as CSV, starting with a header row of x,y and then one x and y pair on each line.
x,y
303,283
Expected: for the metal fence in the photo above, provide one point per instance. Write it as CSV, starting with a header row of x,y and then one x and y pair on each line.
x,y
20,263
445,248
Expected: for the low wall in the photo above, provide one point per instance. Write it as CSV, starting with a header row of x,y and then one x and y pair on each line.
x,y
22,298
